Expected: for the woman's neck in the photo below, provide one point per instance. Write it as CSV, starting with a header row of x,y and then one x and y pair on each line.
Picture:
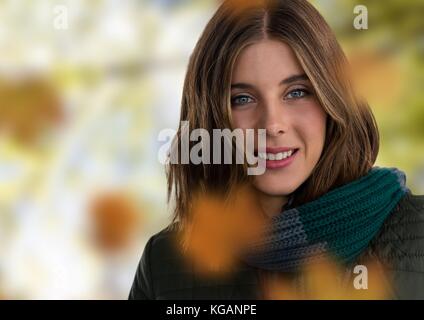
x,y
272,205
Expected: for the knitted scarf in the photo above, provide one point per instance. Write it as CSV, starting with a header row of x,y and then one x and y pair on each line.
x,y
342,222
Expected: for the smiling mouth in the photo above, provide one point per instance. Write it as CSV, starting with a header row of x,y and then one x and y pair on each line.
x,y
276,156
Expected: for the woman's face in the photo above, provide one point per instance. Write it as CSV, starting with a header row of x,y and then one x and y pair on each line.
x,y
269,90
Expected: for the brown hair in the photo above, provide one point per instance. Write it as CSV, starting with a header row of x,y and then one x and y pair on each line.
x,y
352,139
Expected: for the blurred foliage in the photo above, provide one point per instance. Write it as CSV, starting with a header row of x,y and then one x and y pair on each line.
x,y
28,107
115,217
324,279
388,62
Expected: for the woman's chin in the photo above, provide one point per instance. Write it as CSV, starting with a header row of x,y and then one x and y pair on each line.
x,y
274,188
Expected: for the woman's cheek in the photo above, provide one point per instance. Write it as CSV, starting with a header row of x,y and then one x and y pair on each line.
x,y
244,119
313,128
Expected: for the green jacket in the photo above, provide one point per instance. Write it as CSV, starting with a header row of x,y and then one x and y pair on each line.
x,y
399,246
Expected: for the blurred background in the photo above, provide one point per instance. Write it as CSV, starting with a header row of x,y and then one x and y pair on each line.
x,y
85,88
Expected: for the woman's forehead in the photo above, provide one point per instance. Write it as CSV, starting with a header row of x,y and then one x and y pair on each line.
x,y
266,61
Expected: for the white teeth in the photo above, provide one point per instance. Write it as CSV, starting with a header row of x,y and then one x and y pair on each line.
x,y
275,156
262,155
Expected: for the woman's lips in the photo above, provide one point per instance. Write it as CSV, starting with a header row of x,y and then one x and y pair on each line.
x,y
274,164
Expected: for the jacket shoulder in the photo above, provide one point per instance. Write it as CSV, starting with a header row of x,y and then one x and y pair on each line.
x,y
160,267
164,273
401,238
400,247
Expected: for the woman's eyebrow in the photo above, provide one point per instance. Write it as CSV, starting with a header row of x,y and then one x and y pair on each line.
x,y
241,86
288,80
294,78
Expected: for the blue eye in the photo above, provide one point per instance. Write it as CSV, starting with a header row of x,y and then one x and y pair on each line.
x,y
297,94
241,100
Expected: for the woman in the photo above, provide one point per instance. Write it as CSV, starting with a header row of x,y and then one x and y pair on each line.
x,y
276,65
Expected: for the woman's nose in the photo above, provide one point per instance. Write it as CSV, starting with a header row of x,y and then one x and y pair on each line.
x,y
274,119
274,130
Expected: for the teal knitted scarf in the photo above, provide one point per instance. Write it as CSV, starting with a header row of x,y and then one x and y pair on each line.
x,y
341,223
